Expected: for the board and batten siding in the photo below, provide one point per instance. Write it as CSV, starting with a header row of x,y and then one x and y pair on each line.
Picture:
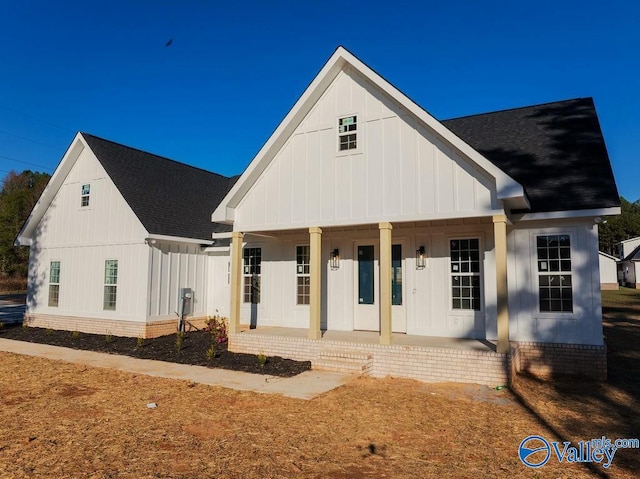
x,y
401,171
527,323
82,238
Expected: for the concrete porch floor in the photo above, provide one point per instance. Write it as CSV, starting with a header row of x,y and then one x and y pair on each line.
x,y
373,337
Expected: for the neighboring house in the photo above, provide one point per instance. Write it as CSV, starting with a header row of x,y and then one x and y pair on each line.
x,y
608,271
115,237
365,235
629,263
362,212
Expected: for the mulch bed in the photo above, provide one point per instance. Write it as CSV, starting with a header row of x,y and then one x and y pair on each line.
x,y
193,349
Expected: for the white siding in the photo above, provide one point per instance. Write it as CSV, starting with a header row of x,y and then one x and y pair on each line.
x,y
527,323
608,269
400,171
82,238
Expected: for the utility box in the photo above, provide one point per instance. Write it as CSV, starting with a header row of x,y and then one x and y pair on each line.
x,y
186,302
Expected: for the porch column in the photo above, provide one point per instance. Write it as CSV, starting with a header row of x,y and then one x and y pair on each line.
x,y
236,281
500,241
385,282
315,274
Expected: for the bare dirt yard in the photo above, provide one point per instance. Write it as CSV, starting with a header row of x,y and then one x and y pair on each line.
x,y
66,421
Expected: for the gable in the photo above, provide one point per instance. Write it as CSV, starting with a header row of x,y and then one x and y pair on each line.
x,y
107,219
508,191
401,170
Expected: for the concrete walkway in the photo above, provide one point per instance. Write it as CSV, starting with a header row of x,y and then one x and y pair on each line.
x,y
303,386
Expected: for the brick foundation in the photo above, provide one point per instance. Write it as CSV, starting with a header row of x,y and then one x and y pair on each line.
x,y
113,327
549,359
431,364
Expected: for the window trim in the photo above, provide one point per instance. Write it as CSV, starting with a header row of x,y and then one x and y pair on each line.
x,y
479,274
537,273
358,132
300,273
252,276
55,284
84,195
112,286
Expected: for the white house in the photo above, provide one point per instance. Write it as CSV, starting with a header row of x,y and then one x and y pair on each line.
x,y
608,271
365,234
114,238
629,262
363,212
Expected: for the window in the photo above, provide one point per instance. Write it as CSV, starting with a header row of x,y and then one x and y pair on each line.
x,y
396,275
554,273
302,274
465,273
54,283
347,128
252,261
84,198
110,284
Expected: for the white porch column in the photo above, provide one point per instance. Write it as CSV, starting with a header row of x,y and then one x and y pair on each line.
x,y
315,273
236,281
500,242
385,282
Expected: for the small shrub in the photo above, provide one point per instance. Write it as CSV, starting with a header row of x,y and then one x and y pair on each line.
x,y
24,325
1,325
179,341
216,326
75,335
49,332
139,342
262,359
108,337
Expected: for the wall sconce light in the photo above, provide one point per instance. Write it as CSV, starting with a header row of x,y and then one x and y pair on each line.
x,y
421,258
335,259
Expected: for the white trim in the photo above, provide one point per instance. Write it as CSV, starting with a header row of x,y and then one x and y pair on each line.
x,y
217,249
551,215
221,235
507,188
630,239
608,256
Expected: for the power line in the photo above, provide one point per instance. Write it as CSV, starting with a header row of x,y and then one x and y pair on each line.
x,y
29,139
37,119
26,162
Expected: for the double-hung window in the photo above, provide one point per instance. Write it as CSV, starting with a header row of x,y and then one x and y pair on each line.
x,y
554,273
303,280
84,197
465,273
251,270
54,283
347,133
110,284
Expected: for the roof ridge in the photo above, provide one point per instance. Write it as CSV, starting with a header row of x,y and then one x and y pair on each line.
x,y
519,108
154,154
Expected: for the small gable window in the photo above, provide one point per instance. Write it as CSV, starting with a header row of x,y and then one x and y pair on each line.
x,y
84,198
347,133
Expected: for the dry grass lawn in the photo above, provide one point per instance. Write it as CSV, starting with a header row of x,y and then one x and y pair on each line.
x,y
61,420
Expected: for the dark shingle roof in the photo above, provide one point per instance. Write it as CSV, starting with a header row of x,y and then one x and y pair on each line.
x,y
168,197
555,151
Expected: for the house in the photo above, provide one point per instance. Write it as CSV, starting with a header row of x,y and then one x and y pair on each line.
x,y
629,262
365,235
116,236
366,230
608,272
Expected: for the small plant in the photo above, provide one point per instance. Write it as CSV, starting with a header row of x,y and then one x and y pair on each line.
x,y
75,334
179,341
24,325
1,325
108,337
216,326
139,342
49,332
262,359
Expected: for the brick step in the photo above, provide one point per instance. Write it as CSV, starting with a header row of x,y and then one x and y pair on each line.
x,y
341,366
344,354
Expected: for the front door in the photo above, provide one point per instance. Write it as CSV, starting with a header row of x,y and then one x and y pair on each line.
x,y
398,316
367,304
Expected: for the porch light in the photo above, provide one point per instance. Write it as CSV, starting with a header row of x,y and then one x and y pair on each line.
x,y
421,258
335,259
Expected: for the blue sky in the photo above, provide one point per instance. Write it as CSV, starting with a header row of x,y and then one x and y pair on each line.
x,y
234,69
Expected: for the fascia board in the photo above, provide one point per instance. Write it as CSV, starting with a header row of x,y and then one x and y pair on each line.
x,y
69,159
552,215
